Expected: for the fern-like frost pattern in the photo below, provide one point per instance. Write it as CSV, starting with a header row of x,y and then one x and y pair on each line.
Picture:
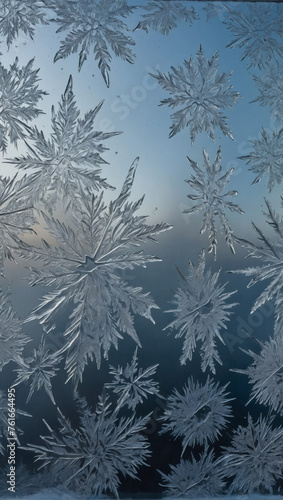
x,y
21,16
16,215
19,96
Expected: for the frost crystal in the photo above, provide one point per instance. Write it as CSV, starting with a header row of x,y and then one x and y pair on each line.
x,y
87,263
95,454
195,478
213,9
201,92
133,384
94,25
71,158
271,255
16,216
209,183
39,368
12,340
198,415
258,31
267,157
20,15
270,86
266,373
255,458
200,313
164,16
19,95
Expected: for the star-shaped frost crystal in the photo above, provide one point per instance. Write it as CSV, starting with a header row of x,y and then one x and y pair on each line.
x,y
200,92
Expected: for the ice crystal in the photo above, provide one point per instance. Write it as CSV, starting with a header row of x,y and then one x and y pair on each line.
x,y
201,92
199,414
213,9
19,96
271,255
266,373
39,369
87,263
267,157
20,16
98,452
195,478
70,158
94,25
200,313
209,183
270,86
12,339
16,215
258,31
164,16
133,384
255,456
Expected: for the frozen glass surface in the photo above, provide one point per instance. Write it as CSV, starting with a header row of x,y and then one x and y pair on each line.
x,y
141,249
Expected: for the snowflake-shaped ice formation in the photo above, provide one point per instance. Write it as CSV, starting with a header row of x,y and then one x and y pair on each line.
x,y
270,86
195,478
200,313
258,31
92,253
39,369
209,183
70,158
201,92
271,268
267,157
266,373
94,455
94,25
19,95
199,414
255,456
133,384
164,16
20,16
